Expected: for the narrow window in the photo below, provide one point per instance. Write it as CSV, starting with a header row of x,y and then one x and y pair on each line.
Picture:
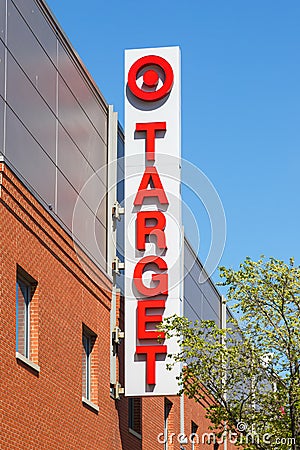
x,y
25,289
194,436
89,366
135,415
168,407
86,366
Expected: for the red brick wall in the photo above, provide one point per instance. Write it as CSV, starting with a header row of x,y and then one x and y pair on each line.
x,y
44,410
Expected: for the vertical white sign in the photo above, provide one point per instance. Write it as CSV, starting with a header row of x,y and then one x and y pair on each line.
x,y
154,241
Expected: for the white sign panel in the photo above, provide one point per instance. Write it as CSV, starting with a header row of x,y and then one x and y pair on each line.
x,y
154,241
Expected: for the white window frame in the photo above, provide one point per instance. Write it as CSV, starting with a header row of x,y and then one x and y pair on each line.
x,y
167,409
27,286
193,432
86,342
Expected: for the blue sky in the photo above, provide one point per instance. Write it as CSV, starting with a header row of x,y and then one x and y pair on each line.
x,y
240,102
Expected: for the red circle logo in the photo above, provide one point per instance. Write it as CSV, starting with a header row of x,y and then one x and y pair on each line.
x,y
151,78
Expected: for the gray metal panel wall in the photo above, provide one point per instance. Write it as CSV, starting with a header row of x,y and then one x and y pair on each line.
x,y
1,125
2,69
2,72
55,121
201,299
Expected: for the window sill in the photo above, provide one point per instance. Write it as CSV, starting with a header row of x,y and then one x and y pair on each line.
x,y
28,362
138,435
90,404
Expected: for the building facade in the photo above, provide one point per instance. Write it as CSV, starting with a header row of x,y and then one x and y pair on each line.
x,y
61,304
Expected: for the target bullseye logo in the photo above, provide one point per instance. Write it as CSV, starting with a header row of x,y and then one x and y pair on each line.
x,y
151,78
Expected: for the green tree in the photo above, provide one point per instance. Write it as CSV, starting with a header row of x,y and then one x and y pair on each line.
x,y
250,371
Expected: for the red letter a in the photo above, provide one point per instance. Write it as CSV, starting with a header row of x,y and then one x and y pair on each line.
x,y
151,176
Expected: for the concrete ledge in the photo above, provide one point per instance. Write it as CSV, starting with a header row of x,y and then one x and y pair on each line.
x,y
90,404
28,362
138,435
